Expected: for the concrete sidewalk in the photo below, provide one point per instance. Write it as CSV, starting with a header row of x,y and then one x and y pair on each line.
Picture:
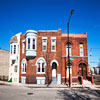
x,y
50,86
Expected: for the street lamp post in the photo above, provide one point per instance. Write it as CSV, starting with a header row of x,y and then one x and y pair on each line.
x,y
72,11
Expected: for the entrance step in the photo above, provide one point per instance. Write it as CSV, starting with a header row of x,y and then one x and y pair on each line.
x,y
86,82
54,82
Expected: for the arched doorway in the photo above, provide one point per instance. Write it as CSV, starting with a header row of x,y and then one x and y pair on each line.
x,y
83,70
54,72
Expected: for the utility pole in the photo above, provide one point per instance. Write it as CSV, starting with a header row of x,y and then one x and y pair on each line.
x,y
91,57
72,11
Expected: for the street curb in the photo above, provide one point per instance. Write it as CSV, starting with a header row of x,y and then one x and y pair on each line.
x,y
50,86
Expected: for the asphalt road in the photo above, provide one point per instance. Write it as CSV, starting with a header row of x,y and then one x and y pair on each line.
x,y
8,92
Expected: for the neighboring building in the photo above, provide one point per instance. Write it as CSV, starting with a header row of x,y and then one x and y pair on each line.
x,y
14,58
42,57
4,64
95,70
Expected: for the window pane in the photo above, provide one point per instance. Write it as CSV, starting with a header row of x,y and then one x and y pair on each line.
x,y
14,49
33,43
23,47
42,67
38,67
13,61
81,49
44,40
53,47
44,47
29,43
53,40
25,67
44,44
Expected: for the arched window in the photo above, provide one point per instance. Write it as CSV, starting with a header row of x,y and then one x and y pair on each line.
x,y
23,66
70,51
41,63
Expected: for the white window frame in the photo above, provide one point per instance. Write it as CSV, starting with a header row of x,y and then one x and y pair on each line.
x,y
33,43
81,49
23,46
44,44
23,66
41,60
53,44
12,49
28,44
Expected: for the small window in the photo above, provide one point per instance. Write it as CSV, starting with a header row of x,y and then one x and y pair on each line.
x,y
23,46
28,43
44,44
14,49
53,45
13,62
15,69
81,49
33,43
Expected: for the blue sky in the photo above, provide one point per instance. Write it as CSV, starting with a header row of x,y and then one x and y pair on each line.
x,y
21,15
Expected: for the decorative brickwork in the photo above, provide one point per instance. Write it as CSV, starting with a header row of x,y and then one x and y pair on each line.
x,y
59,57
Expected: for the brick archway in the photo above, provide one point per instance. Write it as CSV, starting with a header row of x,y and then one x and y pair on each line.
x,y
83,70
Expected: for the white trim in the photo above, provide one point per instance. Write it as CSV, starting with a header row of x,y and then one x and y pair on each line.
x,y
40,59
40,78
23,46
40,73
74,76
23,40
23,61
53,44
53,37
54,61
31,31
44,38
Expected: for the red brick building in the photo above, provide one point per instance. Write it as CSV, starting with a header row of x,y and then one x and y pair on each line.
x,y
43,57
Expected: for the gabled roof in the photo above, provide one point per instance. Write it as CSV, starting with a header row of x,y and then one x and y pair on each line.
x,y
13,39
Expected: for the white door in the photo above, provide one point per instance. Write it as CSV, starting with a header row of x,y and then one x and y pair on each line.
x,y
53,72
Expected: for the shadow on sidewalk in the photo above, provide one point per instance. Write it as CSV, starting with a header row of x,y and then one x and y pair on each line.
x,y
78,94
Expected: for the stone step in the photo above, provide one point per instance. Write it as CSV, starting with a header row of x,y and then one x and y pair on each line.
x,y
54,81
86,82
